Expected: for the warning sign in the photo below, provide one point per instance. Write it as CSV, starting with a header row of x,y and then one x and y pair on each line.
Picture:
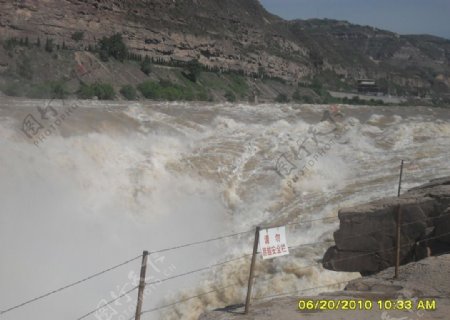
x,y
272,242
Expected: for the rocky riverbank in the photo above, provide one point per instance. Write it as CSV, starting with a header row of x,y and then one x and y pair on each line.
x,y
366,243
366,239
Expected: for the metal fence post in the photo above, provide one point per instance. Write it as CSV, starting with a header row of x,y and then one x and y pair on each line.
x,y
252,268
399,222
400,179
141,286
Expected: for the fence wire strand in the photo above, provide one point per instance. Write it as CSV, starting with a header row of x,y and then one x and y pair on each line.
x,y
199,270
187,299
232,235
107,304
69,285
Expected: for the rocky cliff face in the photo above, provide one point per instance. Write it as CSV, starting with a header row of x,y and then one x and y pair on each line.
x,y
419,62
232,34
366,238
239,35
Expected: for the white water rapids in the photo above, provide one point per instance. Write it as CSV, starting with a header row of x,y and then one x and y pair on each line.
x,y
112,179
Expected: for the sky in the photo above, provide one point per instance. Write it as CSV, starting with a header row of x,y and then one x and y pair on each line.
x,y
401,16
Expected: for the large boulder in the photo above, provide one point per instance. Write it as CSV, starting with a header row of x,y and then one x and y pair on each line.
x,y
366,239
443,227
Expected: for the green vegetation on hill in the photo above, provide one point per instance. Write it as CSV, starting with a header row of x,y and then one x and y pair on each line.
x,y
103,91
146,65
165,90
282,98
48,89
253,44
28,75
192,70
49,46
129,92
230,96
298,97
24,68
78,35
113,46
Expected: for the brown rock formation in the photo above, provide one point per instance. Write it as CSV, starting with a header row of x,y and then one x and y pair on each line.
x,y
238,35
232,34
365,241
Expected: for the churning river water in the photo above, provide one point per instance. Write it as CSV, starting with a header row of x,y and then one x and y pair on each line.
x,y
86,185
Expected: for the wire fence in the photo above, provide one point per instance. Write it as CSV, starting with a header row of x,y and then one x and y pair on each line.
x,y
284,293
20,305
239,284
108,303
229,261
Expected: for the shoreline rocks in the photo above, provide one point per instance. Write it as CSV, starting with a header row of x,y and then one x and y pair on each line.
x,y
366,239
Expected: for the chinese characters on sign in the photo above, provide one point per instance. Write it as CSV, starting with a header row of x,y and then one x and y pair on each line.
x,y
272,242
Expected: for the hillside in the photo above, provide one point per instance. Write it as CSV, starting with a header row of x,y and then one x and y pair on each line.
x,y
234,35
419,63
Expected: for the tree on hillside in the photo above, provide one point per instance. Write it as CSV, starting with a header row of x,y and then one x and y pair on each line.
x,y
230,96
24,68
281,98
316,58
129,92
49,45
193,69
146,65
113,46
78,36
298,97
103,91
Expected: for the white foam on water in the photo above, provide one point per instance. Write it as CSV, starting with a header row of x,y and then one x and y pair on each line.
x,y
86,201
